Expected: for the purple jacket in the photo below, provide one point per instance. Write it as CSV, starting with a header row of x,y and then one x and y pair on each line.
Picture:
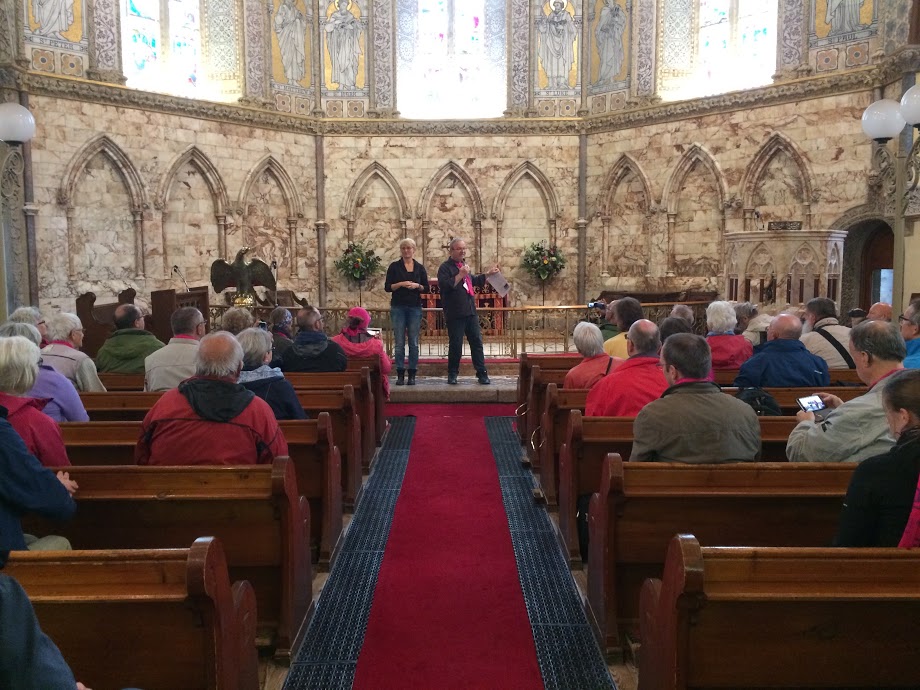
x,y
64,404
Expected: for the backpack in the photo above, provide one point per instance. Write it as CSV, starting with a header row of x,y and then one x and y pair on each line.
x,y
764,404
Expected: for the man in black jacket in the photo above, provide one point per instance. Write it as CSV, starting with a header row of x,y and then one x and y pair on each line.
x,y
456,284
312,350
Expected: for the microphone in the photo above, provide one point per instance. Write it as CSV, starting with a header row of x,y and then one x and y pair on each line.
x,y
179,273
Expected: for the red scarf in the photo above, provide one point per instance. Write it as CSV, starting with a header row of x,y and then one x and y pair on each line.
x,y
911,537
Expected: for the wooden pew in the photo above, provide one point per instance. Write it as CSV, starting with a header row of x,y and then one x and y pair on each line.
x,y
787,397
148,618
588,440
316,460
726,377
122,382
536,402
373,366
340,404
364,397
262,522
526,361
781,618
641,505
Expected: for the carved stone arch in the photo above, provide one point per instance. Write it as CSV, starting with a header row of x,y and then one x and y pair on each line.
x,y
804,274
446,170
759,261
625,164
194,156
292,202
695,154
350,206
130,177
858,215
544,186
777,144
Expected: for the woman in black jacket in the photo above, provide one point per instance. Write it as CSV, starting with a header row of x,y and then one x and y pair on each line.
x,y
882,489
406,280
264,380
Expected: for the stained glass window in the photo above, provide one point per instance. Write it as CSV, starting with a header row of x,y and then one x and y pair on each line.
x,y
733,47
451,58
148,25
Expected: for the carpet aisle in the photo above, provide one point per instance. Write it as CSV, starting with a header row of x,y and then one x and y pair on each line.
x,y
472,590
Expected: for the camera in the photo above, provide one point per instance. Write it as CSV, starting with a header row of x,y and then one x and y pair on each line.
x,y
597,305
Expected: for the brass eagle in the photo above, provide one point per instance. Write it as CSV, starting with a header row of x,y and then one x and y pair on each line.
x,y
241,274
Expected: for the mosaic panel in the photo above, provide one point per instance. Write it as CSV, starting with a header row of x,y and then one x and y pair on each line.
x,y
383,54
609,24
557,30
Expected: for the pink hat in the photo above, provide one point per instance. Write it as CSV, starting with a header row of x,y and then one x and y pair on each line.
x,y
360,313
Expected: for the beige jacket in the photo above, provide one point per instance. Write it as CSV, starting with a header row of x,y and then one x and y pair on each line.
x,y
75,365
817,344
170,365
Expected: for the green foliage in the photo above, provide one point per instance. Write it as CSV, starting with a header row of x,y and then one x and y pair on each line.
x,y
542,262
358,262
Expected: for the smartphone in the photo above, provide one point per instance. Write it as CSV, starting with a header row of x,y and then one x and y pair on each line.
x,y
811,403
374,332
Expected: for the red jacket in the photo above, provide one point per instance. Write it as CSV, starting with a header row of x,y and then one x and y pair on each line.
x,y
729,351
627,389
238,428
591,370
41,433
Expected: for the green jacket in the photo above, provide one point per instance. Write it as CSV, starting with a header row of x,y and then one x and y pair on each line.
x,y
608,330
124,351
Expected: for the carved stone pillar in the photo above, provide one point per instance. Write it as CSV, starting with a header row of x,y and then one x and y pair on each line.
x,y
292,243
222,235
138,218
104,22
10,33
672,227
645,25
14,262
321,228
581,230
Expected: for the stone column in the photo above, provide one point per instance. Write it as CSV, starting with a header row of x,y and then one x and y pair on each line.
x,y
104,22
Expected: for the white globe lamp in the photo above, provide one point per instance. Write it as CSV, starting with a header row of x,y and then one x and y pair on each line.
x,y
883,120
17,125
910,105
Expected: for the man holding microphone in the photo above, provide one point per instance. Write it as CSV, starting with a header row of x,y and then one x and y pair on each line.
x,y
456,284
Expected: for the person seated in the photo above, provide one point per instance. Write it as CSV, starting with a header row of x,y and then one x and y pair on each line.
x,y
729,351
125,350
882,489
635,382
210,419
856,429
312,350
670,325
783,361
857,316
607,323
589,341
236,320
824,336
172,364
355,341
280,322
694,421
29,487
18,369
33,317
63,353
28,657
685,312
626,312
880,311
909,323
264,380
62,402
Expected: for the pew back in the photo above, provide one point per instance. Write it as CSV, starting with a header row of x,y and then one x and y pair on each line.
x,y
726,377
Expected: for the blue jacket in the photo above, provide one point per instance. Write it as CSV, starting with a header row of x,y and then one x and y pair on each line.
x,y
913,354
270,385
26,486
781,364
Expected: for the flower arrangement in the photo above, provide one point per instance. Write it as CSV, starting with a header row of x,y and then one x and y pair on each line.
x,y
357,262
542,262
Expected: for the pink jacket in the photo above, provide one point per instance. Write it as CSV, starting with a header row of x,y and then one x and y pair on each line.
x,y
368,348
40,433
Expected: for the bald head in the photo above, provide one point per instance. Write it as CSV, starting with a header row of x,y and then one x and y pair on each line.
x,y
785,327
219,355
880,311
644,338
128,316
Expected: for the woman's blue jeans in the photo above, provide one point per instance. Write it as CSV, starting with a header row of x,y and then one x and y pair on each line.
x,y
407,321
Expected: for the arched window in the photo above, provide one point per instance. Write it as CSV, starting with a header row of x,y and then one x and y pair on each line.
x,y
708,47
451,58
161,45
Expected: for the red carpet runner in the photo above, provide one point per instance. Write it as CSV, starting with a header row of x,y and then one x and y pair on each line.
x,y
448,611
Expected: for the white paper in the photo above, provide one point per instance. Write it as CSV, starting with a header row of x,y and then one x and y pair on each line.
x,y
497,281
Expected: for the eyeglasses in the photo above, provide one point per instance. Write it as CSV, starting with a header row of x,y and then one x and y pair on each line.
x,y
40,323
903,319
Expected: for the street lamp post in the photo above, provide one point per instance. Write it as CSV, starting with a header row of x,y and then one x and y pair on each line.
x,y
883,121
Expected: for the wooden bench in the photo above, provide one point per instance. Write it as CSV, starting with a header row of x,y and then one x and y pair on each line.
x,y
587,442
726,377
641,505
781,618
316,459
122,382
364,397
340,404
546,362
373,366
147,618
262,523
540,380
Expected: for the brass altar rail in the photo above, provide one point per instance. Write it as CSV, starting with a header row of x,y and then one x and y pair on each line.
x,y
506,331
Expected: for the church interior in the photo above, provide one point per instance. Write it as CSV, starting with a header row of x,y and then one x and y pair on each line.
x,y
675,150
